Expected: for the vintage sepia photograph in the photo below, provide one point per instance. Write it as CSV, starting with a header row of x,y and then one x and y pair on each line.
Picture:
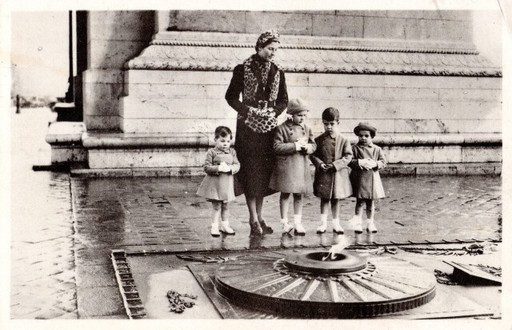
x,y
333,163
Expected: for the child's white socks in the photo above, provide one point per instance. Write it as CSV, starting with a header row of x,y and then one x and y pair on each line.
x,y
356,224
226,228
286,226
215,229
336,227
215,224
299,229
323,226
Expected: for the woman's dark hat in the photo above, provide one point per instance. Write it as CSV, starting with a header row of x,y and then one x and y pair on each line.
x,y
266,38
365,127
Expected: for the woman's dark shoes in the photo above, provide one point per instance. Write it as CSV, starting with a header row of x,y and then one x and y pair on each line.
x,y
255,241
256,229
266,228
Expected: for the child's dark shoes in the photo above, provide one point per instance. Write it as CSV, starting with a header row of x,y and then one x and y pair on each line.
x,y
299,229
321,229
371,227
336,228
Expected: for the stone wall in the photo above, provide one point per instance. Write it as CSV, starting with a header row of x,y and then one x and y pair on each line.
x,y
387,24
184,101
405,104
178,83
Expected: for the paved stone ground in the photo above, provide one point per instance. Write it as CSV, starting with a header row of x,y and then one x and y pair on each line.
x,y
164,214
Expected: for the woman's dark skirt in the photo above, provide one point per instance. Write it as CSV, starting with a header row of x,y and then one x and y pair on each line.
x,y
256,155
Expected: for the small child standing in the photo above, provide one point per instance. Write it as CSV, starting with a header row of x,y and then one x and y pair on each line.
x,y
293,142
218,185
366,183
331,160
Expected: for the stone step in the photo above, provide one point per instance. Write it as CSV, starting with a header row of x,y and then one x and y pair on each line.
x,y
159,154
465,169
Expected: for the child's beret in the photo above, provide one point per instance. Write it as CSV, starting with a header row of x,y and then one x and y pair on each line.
x,y
365,127
296,106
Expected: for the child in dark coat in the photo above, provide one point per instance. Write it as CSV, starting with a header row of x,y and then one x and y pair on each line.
x,y
331,159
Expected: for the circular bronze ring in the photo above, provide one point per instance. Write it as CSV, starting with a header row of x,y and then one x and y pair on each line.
x,y
344,262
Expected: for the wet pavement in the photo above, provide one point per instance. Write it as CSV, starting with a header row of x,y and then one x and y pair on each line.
x,y
43,282
157,214
63,229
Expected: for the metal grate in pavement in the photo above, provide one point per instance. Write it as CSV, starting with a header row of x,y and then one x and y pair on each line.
x,y
131,298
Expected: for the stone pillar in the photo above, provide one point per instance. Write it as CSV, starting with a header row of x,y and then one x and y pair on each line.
x,y
81,60
113,38
162,20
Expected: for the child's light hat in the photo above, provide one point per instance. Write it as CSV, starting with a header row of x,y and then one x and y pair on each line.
x,y
364,126
296,105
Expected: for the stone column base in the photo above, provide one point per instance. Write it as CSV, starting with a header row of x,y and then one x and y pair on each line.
x,y
65,139
183,151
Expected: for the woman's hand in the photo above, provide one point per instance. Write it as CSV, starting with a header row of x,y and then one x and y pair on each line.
x,y
265,112
326,167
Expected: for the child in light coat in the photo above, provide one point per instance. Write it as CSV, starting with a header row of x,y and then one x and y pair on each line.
x,y
218,185
293,142
366,183
331,159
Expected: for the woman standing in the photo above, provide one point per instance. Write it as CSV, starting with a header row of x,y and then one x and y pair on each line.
x,y
264,97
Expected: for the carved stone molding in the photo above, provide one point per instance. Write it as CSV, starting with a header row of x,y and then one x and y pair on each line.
x,y
211,52
392,49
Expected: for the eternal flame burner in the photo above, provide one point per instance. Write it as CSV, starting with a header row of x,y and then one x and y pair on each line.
x,y
302,285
